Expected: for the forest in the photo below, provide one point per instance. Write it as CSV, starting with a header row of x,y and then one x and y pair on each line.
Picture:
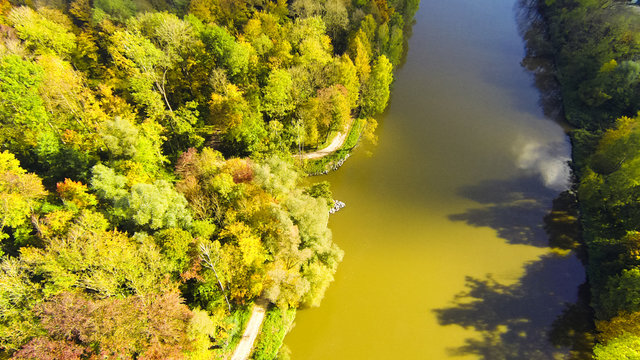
x,y
596,47
148,188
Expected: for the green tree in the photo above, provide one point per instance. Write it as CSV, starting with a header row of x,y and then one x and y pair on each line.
x,y
229,13
344,72
107,184
335,112
277,94
375,94
310,44
360,51
285,287
19,193
232,55
140,144
41,35
275,176
157,206
395,44
228,108
22,113
148,206
320,277
625,347
88,257
147,66
120,137
175,244
18,298
336,17
70,102
306,8
622,293
176,38
270,40
321,190
119,10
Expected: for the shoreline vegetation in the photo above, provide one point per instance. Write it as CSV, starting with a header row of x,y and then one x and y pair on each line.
x,y
595,45
334,160
149,192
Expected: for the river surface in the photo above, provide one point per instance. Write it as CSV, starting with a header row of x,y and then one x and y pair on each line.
x,y
446,255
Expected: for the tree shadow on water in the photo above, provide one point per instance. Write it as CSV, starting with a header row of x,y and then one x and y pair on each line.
x,y
539,58
514,208
546,313
514,321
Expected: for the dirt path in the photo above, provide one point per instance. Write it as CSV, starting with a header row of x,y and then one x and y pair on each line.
x,y
336,144
243,350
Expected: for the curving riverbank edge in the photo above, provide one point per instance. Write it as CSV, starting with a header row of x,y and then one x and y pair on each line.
x,y
588,44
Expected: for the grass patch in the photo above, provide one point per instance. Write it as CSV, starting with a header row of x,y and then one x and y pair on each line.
x,y
354,134
275,326
326,163
239,318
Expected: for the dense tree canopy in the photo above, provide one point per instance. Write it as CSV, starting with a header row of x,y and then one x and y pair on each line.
x,y
148,193
597,49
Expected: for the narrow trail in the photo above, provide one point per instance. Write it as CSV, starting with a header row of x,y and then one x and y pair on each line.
x,y
243,350
335,145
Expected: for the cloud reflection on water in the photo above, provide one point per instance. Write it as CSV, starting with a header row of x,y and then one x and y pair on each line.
x,y
549,160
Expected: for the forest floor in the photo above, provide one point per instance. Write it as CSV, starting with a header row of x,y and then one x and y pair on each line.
x,y
243,350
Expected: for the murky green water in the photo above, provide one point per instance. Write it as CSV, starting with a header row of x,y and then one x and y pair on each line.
x,y
451,202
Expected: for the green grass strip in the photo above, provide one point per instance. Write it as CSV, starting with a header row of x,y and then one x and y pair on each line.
x,y
274,328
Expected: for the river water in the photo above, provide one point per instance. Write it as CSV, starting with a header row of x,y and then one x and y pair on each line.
x,y
446,254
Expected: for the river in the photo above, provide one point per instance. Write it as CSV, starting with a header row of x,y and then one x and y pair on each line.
x,y
446,254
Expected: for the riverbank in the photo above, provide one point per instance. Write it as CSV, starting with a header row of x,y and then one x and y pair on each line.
x,y
594,46
333,157
333,144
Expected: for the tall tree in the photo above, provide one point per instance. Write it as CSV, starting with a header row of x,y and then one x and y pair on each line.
x,y
19,193
42,35
375,94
